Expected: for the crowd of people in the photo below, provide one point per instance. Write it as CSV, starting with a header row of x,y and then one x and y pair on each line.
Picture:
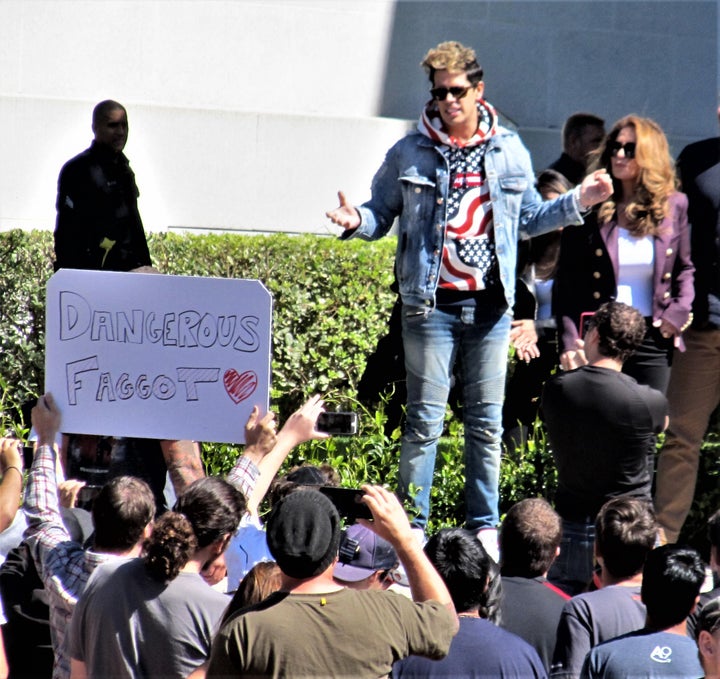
x,y
611,304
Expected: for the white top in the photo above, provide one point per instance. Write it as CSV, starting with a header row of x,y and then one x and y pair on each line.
x,y
635,277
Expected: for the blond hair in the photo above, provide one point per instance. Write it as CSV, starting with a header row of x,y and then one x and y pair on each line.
x,y
453,57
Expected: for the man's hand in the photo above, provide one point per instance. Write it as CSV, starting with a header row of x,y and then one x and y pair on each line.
x,y
569,360
596,188
45,419
300,426
389,518
344,215
260,432
68,492
523,337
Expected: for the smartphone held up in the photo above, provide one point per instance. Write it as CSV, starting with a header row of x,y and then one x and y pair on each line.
x,y
338,424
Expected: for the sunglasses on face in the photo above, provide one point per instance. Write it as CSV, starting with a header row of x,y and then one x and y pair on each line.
x,y
440,93
627,147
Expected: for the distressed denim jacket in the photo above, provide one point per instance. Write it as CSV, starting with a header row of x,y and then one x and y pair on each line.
x,y
413,184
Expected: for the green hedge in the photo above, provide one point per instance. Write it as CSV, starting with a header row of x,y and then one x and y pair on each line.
x,y
331,304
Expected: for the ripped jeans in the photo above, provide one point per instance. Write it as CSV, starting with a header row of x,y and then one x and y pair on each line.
x,y
433,340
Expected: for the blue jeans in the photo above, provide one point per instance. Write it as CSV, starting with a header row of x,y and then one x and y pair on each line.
x,y
573,569
478,337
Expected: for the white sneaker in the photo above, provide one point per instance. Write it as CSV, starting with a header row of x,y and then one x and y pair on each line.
x,y
489,539
419,534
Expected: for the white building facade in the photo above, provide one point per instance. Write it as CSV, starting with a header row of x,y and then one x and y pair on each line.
x,y
249,115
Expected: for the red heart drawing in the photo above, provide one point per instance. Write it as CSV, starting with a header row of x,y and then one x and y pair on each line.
x,y
239,385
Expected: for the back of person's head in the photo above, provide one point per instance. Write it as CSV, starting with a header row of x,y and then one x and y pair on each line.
x,y
464,565
303,533
550,183
300,476
453,57
625,533
259,583
121,511
672,577
621,330
362,553
208,510
529,538
707,633
575,126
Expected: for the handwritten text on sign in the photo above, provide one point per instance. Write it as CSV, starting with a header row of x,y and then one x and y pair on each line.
x,y
156,356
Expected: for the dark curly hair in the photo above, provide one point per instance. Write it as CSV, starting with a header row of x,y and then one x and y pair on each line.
x,y
621,329
207,510
170,546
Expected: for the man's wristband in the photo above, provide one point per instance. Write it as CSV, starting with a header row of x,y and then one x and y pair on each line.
x,y
16,468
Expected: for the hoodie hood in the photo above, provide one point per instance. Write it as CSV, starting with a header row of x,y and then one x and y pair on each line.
x,y
431,125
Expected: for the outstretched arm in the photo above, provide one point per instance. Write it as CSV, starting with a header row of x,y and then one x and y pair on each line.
x,y
595,188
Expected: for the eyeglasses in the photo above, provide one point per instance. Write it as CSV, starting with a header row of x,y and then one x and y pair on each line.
x,y
440,93
628,147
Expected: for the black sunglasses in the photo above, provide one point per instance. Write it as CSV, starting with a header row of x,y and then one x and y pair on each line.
x,y
440,93
627,147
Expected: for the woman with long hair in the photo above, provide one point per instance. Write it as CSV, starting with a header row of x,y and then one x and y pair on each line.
x,y
155,616
634,248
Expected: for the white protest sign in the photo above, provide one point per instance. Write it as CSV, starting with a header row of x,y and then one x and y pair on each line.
x,y
155,356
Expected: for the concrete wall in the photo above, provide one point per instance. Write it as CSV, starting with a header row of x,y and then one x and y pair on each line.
x,y
250,115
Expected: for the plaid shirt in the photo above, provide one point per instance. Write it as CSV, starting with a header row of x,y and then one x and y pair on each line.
x,y
244,476
65,566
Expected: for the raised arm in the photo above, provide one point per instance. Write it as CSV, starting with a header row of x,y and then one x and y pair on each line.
x,y
183,461
45,529
267,452
391,523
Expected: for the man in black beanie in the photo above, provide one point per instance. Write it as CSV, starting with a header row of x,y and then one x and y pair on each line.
x,y
315,627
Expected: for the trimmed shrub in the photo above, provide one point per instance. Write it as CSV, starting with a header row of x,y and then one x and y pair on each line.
x,y
332,301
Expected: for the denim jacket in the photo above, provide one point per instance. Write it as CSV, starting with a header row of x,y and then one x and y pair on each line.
x,y
413,184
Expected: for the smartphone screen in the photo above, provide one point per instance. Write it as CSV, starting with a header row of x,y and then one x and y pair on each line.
x,y
347,502
338,424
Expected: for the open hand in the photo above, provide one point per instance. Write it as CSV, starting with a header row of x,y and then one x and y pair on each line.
x,y
344,215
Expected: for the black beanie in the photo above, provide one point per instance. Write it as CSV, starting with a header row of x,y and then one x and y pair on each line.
x,y
303,533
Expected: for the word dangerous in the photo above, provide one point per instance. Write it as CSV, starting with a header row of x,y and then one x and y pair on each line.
x,y
189,328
